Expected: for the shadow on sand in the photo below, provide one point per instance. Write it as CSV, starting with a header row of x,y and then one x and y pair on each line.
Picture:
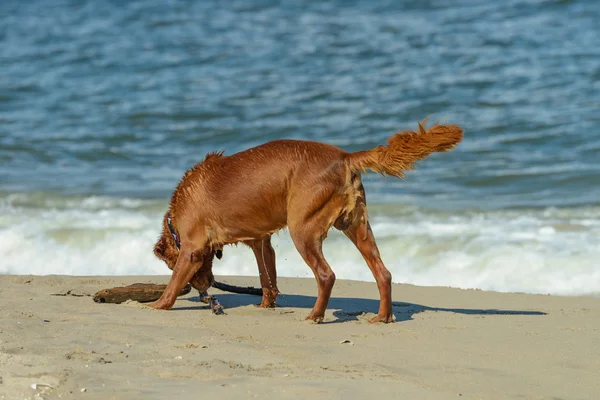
x,y
349,308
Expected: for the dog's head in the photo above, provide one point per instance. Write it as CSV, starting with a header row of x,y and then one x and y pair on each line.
x,y
166,250
203,278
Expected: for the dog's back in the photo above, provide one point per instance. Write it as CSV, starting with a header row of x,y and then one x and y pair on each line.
x,y
246,195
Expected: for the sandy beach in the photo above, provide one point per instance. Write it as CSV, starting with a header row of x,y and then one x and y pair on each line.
x,y
447,343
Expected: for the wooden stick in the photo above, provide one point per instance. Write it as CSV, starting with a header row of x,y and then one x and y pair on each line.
x,y
142,292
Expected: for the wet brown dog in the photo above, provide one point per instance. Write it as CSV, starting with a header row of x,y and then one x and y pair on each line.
x,y
307,186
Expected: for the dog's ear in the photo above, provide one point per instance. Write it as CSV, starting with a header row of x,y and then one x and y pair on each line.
x,y
166,252
159,248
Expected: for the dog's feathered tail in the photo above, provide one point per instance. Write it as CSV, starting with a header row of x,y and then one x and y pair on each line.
x,y
404,149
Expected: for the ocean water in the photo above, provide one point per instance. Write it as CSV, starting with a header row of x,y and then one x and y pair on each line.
x,y
104,106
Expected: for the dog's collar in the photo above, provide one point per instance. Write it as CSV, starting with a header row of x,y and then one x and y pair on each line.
x,y
173,233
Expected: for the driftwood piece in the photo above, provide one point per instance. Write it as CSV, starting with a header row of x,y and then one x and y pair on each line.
x,y
141,292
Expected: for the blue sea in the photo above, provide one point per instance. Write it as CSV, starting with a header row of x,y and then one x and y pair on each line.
x,y
104,105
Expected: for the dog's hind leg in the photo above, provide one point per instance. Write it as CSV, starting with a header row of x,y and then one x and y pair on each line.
x,y
265,258
188,263
360,233
310,248
308,235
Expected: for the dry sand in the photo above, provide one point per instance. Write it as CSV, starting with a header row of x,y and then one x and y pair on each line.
x,y
446,343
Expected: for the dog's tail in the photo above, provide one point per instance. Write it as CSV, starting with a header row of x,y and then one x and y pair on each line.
x,y
404,149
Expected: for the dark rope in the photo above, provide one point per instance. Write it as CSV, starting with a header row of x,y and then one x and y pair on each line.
x,y
237,289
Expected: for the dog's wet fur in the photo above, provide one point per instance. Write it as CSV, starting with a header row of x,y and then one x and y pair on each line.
x,y
305,186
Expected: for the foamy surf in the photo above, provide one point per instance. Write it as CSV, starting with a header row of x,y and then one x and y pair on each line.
x,y
551,251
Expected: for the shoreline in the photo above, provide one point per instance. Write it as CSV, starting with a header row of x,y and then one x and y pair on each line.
x,y
446,342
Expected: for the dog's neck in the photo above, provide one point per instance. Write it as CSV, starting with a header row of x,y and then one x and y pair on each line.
x,y
218,252
173,233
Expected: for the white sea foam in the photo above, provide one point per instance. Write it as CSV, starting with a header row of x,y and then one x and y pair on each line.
x,y
539,251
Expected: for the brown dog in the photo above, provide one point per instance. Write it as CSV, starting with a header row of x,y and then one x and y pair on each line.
x,y
307,186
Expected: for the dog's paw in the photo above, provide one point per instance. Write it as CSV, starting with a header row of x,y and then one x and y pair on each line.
x,y
317,319
265,305
386,319
158,305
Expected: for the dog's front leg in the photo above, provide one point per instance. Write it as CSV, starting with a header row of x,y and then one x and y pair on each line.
x,y
188,262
